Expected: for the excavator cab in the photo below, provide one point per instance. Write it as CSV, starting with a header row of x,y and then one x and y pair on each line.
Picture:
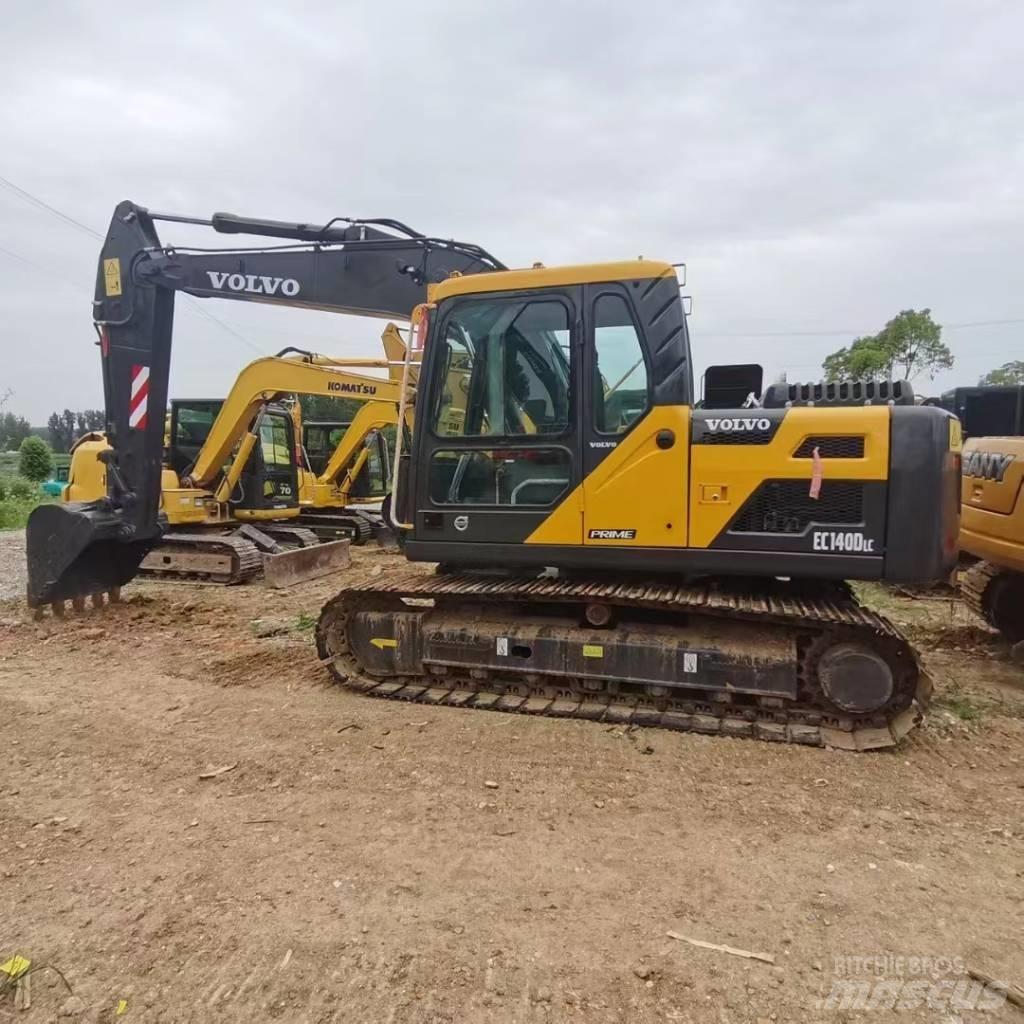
x,y
269,483
320,439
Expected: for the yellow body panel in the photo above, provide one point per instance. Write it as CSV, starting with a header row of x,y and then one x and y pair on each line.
x,y
564,525
992,514
265,514
185,506
684,496
723,476
87,476
641,486
545,277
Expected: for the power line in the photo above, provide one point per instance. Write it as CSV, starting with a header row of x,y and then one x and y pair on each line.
x,y
19,258
40,204
847,333
35,200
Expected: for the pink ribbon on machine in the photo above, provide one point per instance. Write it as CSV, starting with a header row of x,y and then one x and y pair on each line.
x,y
817,472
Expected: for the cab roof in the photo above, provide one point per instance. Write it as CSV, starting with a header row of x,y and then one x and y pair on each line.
x,y
549,277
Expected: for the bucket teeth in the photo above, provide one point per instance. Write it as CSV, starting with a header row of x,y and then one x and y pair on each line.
x,y
80,604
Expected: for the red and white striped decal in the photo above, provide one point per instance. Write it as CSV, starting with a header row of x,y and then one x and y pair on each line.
x,y
140,397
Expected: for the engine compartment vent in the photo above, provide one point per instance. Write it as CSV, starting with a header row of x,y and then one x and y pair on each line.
x,y
842,392
835,447
785,506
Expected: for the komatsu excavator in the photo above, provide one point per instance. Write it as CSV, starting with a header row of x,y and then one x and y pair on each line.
x,y
239,460
607,549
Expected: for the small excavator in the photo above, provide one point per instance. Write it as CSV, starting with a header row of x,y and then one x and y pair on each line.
x,y
607,549
237,495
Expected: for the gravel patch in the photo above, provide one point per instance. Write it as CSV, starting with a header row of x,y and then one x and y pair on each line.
x,y
12,564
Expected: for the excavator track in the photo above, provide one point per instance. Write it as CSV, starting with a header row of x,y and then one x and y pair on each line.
x,y
797,663
353,526
997,596
204,558
292,536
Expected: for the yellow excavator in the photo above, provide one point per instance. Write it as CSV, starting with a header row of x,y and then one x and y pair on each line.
x,y
992,530
609,547
239,461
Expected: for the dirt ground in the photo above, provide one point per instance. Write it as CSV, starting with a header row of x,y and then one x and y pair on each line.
x,y
369,861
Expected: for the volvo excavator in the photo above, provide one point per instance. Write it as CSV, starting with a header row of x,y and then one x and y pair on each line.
x,y
606,549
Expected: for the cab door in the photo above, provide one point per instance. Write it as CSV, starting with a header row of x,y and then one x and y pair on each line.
x,y
635,452
500,441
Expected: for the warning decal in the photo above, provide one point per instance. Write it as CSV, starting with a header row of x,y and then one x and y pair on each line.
x,y
112,277
139,403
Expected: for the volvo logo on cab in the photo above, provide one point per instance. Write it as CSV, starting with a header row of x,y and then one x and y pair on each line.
x,y
729,426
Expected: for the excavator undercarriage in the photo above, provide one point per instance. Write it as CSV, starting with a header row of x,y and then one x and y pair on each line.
x,y
781,662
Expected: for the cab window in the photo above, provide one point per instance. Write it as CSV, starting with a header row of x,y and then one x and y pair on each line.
x,y
505,371
620,387
274,443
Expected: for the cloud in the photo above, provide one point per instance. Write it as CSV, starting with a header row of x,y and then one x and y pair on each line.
x,y
818,167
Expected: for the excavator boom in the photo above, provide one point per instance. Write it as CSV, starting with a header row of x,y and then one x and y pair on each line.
x,y
371,268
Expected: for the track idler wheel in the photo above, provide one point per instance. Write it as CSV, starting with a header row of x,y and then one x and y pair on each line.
x,y
854,678
848,677
1004,605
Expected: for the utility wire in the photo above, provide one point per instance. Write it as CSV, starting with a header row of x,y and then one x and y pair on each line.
x,y
71,221
846,333
36,201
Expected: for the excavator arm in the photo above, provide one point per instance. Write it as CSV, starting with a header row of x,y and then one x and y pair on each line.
x,y
366,267
267,379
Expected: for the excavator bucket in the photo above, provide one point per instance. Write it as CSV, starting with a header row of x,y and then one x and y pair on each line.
x,y
78,550
301,564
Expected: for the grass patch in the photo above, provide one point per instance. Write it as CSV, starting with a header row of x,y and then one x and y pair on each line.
x,y
305,623
960,704
19,496
17,499
964,708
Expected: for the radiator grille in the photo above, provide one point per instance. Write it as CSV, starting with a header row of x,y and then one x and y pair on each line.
x,y
785,506
731,437
831,448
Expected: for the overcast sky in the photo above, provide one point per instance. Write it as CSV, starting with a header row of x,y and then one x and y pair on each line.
x,y
819,166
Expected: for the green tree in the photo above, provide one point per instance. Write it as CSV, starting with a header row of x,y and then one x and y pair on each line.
x,y
908,345
89,419
61,426
35,460
322,407
13,430
1009,373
